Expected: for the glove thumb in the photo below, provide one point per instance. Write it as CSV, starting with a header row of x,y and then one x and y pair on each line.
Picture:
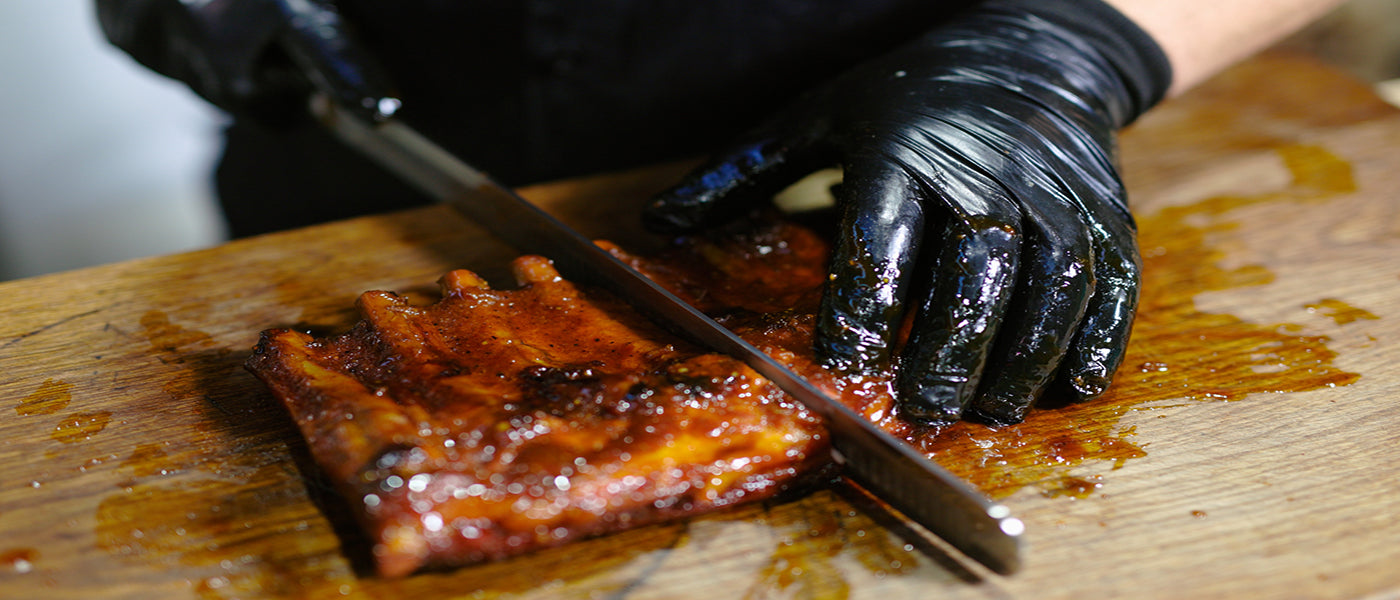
x,y
735,180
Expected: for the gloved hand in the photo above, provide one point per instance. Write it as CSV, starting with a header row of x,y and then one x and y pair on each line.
x,y
256,58
980,184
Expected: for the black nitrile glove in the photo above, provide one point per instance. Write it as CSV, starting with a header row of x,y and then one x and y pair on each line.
x,y
981,158
255,58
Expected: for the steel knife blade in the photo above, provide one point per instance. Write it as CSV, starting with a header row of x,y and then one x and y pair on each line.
x,y
908,481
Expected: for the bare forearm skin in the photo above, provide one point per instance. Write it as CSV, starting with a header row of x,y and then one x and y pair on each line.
x,y
1202,37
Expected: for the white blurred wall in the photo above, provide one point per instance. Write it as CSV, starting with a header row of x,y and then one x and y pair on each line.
x,y
100,159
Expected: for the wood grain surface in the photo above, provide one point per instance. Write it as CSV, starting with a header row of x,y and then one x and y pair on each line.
x,y
1250,449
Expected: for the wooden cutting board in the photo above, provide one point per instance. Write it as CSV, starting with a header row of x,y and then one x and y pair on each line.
x,y
1251,447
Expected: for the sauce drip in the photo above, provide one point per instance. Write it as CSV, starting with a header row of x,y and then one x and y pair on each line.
x,y
51,397
1340,312
80,426
18,560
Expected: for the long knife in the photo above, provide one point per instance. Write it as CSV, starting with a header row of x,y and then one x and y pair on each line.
x,y
908,481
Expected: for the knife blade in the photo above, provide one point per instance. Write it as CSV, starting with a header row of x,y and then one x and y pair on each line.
x,y
908,481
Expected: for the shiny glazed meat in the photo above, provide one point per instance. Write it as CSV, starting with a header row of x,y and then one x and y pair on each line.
x,y
496,422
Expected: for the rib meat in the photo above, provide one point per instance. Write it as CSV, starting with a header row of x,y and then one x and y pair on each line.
x,y
495,422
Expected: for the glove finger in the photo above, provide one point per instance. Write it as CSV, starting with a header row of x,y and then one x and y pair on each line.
x,y
1102,340
1056,280
1087,170
733,181
1101,343
877,242
974,277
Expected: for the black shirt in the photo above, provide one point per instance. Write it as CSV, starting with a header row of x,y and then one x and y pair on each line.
x,y
545,89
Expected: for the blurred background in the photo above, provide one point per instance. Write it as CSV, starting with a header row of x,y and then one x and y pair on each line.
x,y
102,160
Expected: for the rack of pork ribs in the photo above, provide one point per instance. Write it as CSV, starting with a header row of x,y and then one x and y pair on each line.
x,y
496,422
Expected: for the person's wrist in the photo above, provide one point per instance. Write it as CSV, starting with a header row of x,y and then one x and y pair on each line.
x,y
1135,57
